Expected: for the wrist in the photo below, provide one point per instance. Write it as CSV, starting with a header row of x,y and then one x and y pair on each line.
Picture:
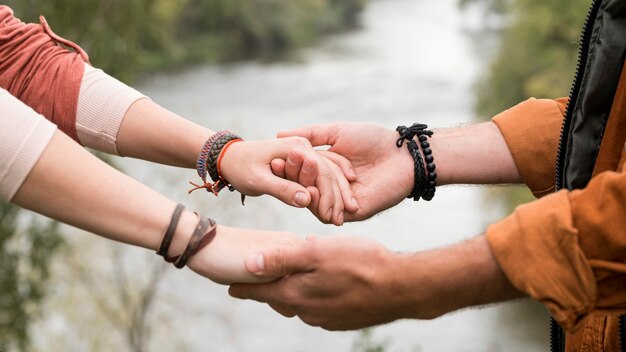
x,y
404,161
230,161
186,226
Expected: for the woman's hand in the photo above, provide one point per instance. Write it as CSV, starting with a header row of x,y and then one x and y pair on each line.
x,y
246,165
223,259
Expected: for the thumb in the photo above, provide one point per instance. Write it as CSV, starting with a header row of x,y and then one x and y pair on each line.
x,y
290,193
280,261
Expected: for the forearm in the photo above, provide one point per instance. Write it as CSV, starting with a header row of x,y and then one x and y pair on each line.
x,y
153,133
440,281
114,118
475,154
69,184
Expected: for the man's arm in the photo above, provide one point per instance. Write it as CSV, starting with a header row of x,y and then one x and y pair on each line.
x,y
476,154
345,283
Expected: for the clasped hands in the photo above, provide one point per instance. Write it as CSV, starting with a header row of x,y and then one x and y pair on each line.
x,y
322,280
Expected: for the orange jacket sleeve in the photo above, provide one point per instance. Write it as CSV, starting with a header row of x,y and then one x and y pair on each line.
x,y
568,249
532,130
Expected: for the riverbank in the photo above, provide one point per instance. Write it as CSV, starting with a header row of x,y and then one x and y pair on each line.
x,y
131,38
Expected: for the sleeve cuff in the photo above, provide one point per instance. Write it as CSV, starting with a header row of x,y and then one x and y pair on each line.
x,y
538,249
102,104
532,130
24,135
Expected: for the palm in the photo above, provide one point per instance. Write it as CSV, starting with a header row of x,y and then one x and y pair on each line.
x,y
383,170
384,173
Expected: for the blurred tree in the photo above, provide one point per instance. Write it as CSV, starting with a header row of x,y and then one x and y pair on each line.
x,y
537,53
125,37
126,302
27,245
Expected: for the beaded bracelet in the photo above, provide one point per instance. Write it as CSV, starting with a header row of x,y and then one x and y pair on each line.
x,y
425,180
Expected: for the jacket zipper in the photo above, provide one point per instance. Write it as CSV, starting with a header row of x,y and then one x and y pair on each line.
x,y
583,51
557,337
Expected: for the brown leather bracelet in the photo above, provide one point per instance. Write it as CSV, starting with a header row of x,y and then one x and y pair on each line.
x,y
171,230
204,230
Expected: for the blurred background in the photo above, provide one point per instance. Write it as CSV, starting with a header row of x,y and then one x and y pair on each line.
x,y
258,67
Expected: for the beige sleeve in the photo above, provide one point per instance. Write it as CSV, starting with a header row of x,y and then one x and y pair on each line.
x,y
24,134
102,104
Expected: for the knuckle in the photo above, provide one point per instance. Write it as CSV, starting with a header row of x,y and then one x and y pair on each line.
x,y
291,298
283,188
311,320
330,326
276,263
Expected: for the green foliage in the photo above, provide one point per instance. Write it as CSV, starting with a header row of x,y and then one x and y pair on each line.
x,y
537,53
25,256
124,37
365,343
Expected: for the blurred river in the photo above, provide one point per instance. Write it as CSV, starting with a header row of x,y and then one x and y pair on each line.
x,y
412,60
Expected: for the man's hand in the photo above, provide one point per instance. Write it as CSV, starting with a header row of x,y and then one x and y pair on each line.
x,y
384,172
344,283
337,282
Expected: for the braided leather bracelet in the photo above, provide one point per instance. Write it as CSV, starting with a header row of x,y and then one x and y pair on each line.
x,y
425,180
209,159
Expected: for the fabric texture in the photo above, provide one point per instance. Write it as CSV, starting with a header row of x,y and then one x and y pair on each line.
x,y
102,103
535,128
24,135
36,69
86,103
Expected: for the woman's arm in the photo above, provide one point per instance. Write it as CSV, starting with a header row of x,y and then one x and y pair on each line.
x,y
58,84
69,184
114,118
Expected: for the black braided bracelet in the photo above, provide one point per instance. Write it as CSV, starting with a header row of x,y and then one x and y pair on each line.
x,y
425,176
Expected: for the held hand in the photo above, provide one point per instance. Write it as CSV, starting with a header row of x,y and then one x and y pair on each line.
x,y
223,259
384,173
344,283
247,166
337,282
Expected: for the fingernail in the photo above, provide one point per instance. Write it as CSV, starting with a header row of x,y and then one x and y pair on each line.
x,y
341,218
329,215
301,199
351,172
355,203
255,263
